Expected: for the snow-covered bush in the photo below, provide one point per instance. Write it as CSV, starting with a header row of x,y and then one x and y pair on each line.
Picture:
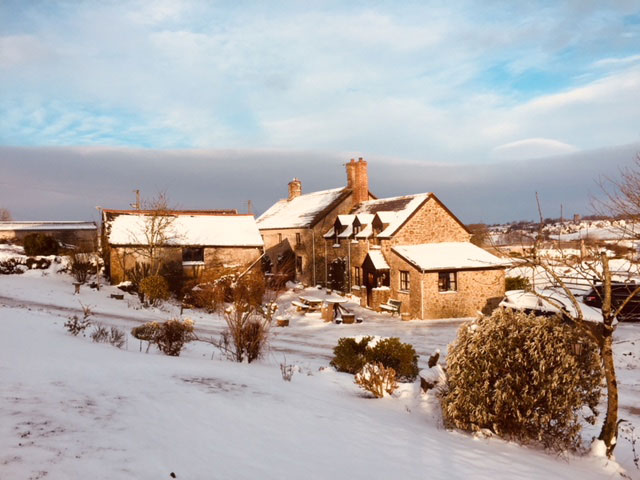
x,y
11,266
377,379
100,334
524,378
155,288
350,355
80,266
39,244
113,336
76,325
169,336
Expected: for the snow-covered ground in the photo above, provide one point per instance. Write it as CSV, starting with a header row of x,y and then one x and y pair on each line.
x,y
71,408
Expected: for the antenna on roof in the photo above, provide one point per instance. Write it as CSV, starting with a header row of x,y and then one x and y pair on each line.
x,y
137,204
249,207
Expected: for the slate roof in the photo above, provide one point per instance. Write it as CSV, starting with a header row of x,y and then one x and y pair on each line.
x,y
393,211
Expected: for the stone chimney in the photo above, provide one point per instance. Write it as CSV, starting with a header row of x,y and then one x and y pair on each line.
x,y
295,189
361,182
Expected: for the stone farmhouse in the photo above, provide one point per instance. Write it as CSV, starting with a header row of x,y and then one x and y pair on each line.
x,y
189,242
410,249
83,235
293,228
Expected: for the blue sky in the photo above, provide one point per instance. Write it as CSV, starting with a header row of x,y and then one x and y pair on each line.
x,y
431,81
440,83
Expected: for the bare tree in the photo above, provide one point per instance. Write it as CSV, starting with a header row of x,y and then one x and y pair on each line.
x,y
156,232
563,272
5,215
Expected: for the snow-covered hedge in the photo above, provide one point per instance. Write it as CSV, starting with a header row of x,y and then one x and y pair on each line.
x,y
524,378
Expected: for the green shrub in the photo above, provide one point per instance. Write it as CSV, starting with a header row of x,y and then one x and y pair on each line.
x,y
155,288
169,336
517,283
39,244
392,353
523,378
350,356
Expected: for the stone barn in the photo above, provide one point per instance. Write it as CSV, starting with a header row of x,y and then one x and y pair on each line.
x,y
83,235
188,241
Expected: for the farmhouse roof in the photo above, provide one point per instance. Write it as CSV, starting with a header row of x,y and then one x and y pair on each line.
x,y
378,260
47,225
302,211
448,256
186,229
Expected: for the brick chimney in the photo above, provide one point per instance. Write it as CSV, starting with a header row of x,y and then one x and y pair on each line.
x,y
351,173
295,189
361,182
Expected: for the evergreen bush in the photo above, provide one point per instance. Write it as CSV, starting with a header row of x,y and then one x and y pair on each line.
x,y
524,378
351,355
39,244
155,288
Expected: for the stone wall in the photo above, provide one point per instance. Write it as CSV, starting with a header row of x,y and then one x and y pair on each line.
x,y
86,240
125,258
478,290
432,223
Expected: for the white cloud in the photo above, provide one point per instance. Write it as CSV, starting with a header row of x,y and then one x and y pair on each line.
x,y
532,148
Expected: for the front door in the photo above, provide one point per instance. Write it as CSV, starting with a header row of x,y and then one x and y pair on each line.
x,y
336,275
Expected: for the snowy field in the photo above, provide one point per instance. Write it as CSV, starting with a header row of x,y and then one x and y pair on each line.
x,y
71,408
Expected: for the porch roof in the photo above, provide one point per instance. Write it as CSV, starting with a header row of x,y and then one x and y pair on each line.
x,y
449,256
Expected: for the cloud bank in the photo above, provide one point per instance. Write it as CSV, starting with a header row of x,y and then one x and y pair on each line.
x,y
49,183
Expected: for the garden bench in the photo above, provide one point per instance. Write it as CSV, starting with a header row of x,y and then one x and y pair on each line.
x,y
301,307
392,306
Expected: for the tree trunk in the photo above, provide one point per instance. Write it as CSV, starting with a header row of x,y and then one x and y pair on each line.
x,y
609,432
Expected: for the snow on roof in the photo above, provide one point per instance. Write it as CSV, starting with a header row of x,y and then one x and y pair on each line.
x,y
378,260
366,232
187,229
448,255
330,233
47,225
347,232
365,218
346,219
393,211
300,212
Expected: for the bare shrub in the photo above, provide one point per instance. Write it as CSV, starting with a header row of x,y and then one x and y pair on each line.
x,y
524,378
117,337
100,334
377,379
246,335
287,371
169,336
76,325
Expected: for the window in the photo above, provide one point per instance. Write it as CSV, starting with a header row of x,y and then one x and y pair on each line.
x,y
298,264
298,238
193,255
279,238
357,277
356,229
447,281
404,280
